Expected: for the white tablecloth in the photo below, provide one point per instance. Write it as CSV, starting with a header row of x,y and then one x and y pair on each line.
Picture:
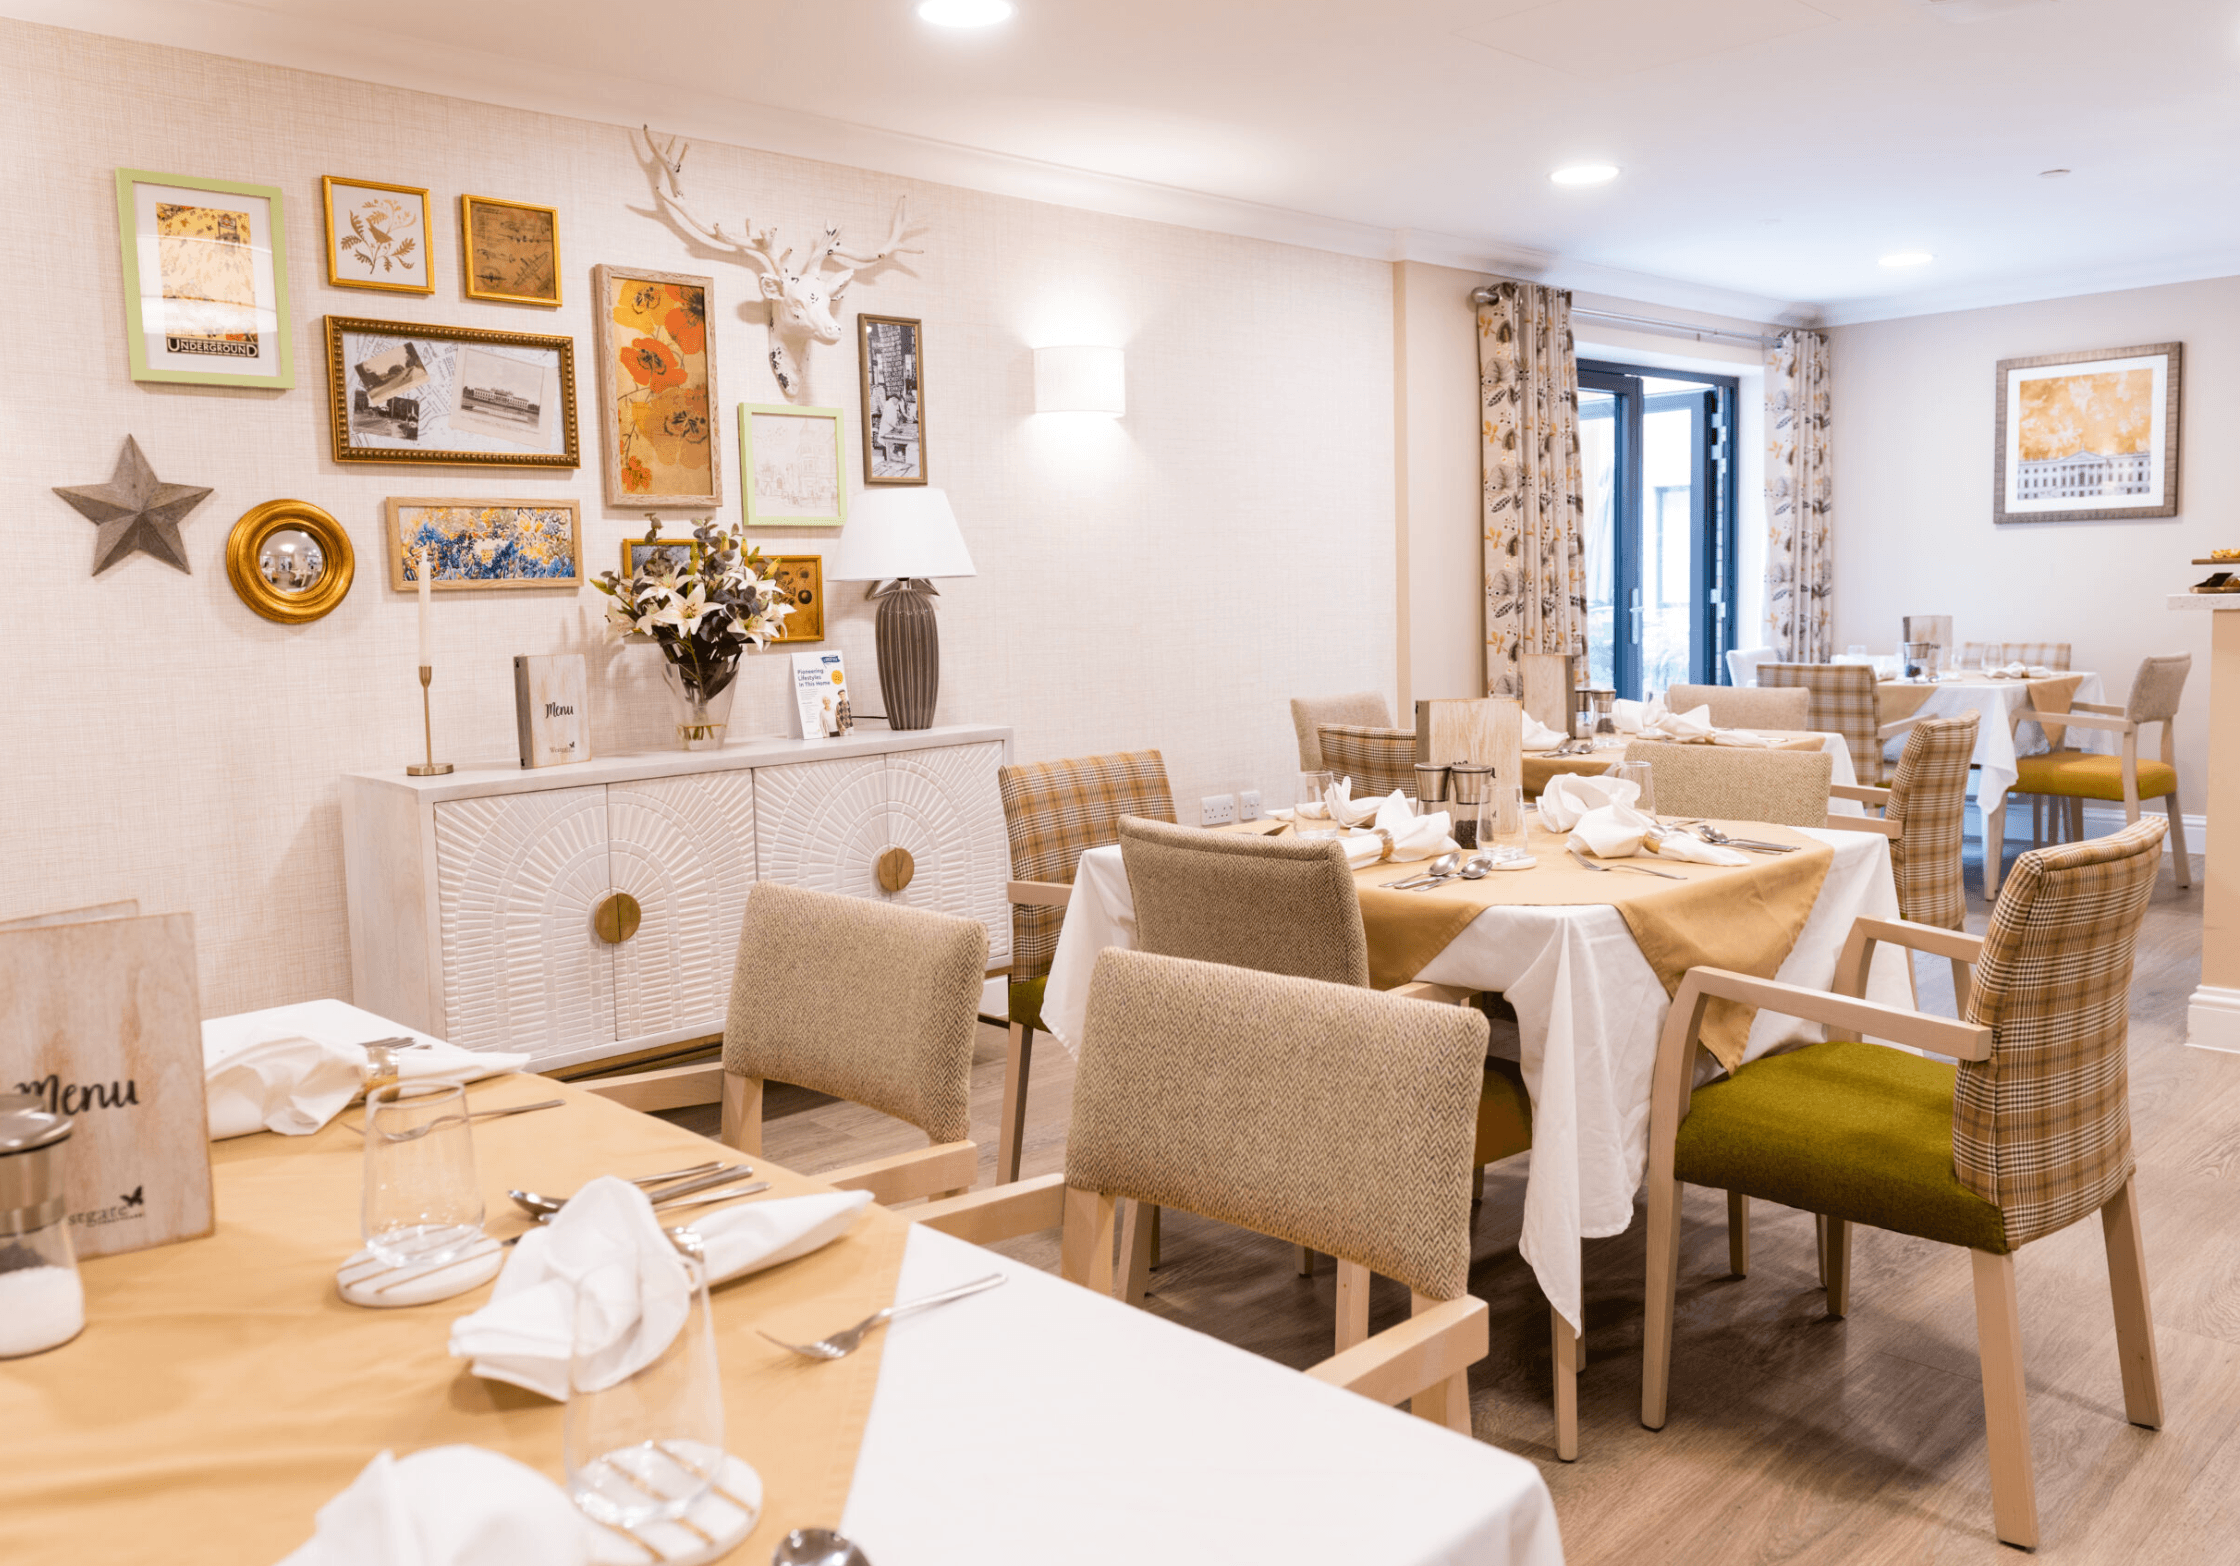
x,y
1042,1422
1589,1008
1998,740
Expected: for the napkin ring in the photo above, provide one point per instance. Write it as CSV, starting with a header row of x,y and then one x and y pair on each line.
x,y
1385,838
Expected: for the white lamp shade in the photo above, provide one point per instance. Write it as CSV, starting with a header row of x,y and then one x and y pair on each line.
x,y
904,531
1080,380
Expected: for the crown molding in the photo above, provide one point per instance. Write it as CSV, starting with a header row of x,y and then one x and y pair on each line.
x,y
2078,283
1495,258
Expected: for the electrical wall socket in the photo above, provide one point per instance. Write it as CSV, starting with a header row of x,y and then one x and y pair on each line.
x,y
1248,804
1217,810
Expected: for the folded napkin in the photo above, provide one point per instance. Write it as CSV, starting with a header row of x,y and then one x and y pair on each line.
x,y
1749,739
1569,796
2018,671
1343,808
1412,836
1538,736
448,1506
293,1082
607,1253
1652,719
1620,831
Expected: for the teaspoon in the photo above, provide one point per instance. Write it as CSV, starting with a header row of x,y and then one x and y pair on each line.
x,y
817,1547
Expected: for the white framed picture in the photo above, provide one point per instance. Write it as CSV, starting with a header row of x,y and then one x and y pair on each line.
x,y
792,461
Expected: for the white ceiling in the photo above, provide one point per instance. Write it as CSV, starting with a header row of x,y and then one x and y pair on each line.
x,y
1772,150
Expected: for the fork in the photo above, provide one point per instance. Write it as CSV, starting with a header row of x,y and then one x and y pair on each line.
x,y
845,1342
1580,854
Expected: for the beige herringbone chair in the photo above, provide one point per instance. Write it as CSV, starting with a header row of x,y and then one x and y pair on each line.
x,y
1726,783
1843,702
2074,775
875,1003
2029,1134
1363,709
1750,707
1378,760
1185,1066
1056,811
1928,800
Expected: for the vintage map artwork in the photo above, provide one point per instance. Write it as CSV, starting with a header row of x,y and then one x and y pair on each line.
x,y
207,262
658,385
513,251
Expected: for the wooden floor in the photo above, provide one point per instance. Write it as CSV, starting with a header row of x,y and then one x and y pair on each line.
x,y
1793,1437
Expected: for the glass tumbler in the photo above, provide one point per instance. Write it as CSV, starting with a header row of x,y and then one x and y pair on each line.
x,y
1642,773
1311,815
422,1201
646,1446
1501,823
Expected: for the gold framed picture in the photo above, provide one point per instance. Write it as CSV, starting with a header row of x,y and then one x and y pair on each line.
x,y
892,362
799,579
2088,437
402,392
378,235
657,387
511,251
483,543
683,554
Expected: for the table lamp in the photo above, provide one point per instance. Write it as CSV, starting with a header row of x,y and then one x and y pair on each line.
x,y
898,540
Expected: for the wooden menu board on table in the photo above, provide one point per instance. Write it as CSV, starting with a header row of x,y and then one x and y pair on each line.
x,y
102,1021
1547,682
1488,730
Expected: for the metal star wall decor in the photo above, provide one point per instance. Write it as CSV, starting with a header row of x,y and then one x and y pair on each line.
x,y
135,510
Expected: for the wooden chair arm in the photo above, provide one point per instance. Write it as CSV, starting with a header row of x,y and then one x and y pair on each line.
x,y
676,1087
1874,824
2109,708
1860,792
1444,994
1001,1212
930,1171
1963,950
1420,1352
1898,1024
2076,720
1038,894
1896,727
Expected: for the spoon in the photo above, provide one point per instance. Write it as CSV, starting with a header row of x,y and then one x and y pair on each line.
x,y
1476,868
538,1206
1438,870
817,1547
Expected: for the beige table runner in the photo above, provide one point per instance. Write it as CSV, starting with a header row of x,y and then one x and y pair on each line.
x,y
1743,917
221,1392
1539,769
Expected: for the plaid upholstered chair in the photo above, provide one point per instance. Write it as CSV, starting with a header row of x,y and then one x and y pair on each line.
x,y
1749,707
1378,760
875,1003
1979,655
2028,1134
1843,702
1928,800
2042,655
1360,709
1056,811
1375,1096
2073,775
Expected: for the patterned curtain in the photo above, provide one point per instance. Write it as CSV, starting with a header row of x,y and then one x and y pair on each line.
x,y
1800,543
1528,386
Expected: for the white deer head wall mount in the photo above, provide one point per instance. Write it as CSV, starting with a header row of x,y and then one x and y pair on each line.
x,y
805,299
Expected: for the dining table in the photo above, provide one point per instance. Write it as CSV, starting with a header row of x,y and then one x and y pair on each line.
x,y
222,1392
1588,993
1608,750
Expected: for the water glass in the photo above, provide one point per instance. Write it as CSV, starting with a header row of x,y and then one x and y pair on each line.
x,y
1311,815
647,1446
1642,773
1501,823
422,1202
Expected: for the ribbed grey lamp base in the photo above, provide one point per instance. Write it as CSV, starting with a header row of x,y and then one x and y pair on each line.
x,y
909,655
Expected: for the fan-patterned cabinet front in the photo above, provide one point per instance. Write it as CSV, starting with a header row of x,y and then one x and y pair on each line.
x,y
684,848
822,824
518,878
944,807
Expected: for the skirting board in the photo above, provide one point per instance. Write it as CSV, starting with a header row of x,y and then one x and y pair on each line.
x,y
2099,821
2213,1020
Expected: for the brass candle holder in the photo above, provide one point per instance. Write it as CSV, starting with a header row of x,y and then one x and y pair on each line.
x,y
431,768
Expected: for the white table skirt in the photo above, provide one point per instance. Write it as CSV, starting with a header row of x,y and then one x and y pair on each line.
x,y
1043,1422
1998,739
1589,1009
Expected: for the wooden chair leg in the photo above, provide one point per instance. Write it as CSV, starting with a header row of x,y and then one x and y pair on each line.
x,y
1011,1127
1657,1303
1994,849
1837,1259
1155,1212
2178,839
1304,1259
2006,1406
1445,1402
2127,1283
1353,1304
741,1126
1566,1344
1820,1244
1738,1234
1135,1255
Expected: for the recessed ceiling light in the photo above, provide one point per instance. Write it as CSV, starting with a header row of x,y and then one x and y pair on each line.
x,y
2051,173
964,13
1586,174
1908,258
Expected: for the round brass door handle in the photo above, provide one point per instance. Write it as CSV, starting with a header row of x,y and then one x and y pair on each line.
x,y
895,868
616,918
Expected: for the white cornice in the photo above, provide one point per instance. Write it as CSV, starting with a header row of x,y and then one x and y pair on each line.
x,y
2071,284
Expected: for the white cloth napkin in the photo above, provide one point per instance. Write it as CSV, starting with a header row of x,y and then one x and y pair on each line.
x,y
1347,811
448,1506
1749,739
1654,720
1569,796
1620,831
294,1082
608,1243
1413,837
1539,737
2019,671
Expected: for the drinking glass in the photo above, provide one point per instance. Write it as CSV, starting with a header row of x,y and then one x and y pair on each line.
x,y
642,1447
422,1202
1501,825
1311,816
1645,775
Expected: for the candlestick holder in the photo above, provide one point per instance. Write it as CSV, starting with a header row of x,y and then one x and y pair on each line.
x,y
431,768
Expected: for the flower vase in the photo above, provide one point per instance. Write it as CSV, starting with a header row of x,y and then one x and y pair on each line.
x,y
701,719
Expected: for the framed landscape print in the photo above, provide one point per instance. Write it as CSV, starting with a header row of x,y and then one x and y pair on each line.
x,y
683,554
205,280
657,388
790,466
512,251
377,235
800,580
894,409
483,543
398,392
2088,437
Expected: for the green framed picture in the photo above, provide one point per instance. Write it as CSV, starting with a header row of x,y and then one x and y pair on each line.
x,y
205,280
792,461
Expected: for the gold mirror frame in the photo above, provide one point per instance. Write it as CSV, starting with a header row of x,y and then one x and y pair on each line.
x,y
246,543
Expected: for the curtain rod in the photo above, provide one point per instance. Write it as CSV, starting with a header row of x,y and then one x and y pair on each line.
x,y
1675,328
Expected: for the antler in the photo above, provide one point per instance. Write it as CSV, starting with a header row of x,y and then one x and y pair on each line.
x,y
893,246
757,248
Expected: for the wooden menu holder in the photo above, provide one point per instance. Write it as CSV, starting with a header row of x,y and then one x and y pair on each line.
x,y
101,1020
1548,682
1489,731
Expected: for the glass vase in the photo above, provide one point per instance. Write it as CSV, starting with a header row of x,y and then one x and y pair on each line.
x,y
701,719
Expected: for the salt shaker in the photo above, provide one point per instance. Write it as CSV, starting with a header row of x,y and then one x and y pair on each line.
x,y
42,1303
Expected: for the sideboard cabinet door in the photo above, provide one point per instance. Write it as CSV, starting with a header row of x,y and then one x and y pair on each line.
x,y
684,847
944,807
822,824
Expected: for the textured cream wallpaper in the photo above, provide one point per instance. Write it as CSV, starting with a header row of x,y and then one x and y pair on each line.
x,y
1169,579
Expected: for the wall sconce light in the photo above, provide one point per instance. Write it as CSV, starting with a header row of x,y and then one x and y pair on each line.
x,y
1080,379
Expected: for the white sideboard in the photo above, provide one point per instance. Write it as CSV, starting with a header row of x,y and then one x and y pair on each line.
x,y
483,904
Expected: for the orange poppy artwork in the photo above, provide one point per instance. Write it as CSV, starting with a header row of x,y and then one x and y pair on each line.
x,y
657,380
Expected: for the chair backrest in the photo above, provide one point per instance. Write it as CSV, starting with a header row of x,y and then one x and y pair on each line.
x,y
875,1003
2156,688
1278,904
2043,655
1742,663
1308,713
2043,1128
1929,799
1929,628
1327,1116
1981,655
1056,811
1378,760
1842,703
1789,787
1747,708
